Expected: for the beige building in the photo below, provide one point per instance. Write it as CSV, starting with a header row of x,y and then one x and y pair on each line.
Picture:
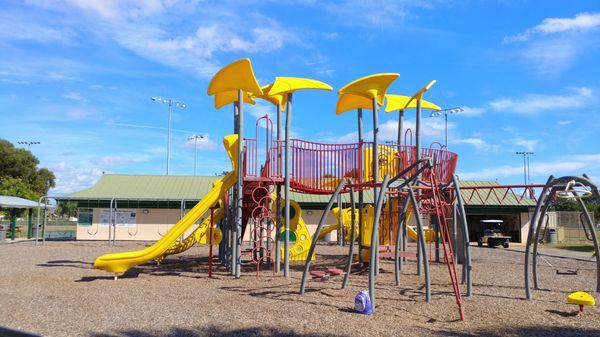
x,y
145,207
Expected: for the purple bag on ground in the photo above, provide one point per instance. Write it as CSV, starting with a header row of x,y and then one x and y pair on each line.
x,y
362,303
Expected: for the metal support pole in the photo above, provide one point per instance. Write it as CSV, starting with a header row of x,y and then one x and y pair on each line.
x,y
29,222
240,187
375,169
278,202
352,239
210,242
373,256
399,237
421,243
466,247
417,157
313,244
340,221
592,230
360,191
536,241
287,169
530,234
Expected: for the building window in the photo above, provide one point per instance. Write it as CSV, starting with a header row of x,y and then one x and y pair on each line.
x,y
85,217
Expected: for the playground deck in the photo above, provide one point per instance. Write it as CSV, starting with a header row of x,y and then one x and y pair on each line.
x,y
52,290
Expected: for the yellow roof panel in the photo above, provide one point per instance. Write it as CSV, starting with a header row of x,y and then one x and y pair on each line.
x,y
278,99
283,85
234,76
372,86
348,102
401,102
227,97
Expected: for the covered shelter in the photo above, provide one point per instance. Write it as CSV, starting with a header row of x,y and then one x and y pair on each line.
x,y
13,204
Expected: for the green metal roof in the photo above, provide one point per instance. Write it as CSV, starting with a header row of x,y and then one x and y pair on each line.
x,y
146,187
176,188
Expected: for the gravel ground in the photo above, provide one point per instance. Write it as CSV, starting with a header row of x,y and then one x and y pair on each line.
x,y
52,290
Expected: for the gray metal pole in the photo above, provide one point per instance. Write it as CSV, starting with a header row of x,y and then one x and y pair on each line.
x,y
352,239
466,267
399,236
278,203
37,221
313,244
340,221
375,176
538,230
169,137
530,234
240,187
360,191
592,230
421,243
417,157
287,169
373,256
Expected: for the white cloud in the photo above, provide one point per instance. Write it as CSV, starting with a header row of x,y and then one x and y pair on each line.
x,y
73,95
478,143
388,131
78,113
536,103
262,108
20,27
553,46
522,143
202,144
471,111
567,165
72,178
564,122
580,23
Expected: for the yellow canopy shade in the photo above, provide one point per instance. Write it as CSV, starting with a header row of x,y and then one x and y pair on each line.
x,y
227,97
348,102
234,76
372,86
401,102
284,85
277,100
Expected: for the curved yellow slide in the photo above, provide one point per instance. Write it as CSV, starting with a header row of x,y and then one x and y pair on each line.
x,y
121,262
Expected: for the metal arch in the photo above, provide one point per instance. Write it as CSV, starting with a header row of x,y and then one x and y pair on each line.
x,y
374,249
466,266
535,224
316,235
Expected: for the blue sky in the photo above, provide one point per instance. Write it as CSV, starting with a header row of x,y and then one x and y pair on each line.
x,y
78,75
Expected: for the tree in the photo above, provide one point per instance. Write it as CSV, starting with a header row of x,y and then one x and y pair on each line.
x,y
68,208
19,174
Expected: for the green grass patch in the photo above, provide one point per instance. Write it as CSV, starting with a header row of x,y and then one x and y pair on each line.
x,y
573,246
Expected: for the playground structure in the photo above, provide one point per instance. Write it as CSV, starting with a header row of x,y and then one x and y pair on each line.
x,y
405,179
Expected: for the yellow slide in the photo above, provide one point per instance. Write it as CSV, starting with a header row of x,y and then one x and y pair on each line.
x,y
346,221
121,262
299,235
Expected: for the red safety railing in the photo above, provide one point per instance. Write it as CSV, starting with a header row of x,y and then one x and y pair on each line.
x,y
318,167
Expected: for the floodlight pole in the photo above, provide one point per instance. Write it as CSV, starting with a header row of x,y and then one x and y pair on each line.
x,y
525,155
195,139
170,102
29,143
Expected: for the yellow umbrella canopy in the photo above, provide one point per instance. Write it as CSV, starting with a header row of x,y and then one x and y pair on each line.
x,y
401,102
284,85
372,86
234,76
227,97
277,99
348,102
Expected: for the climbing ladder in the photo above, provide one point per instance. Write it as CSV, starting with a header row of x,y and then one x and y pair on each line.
x,y
440,210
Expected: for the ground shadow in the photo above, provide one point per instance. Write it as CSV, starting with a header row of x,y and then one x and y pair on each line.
x,y
527,331
66,263
212,331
